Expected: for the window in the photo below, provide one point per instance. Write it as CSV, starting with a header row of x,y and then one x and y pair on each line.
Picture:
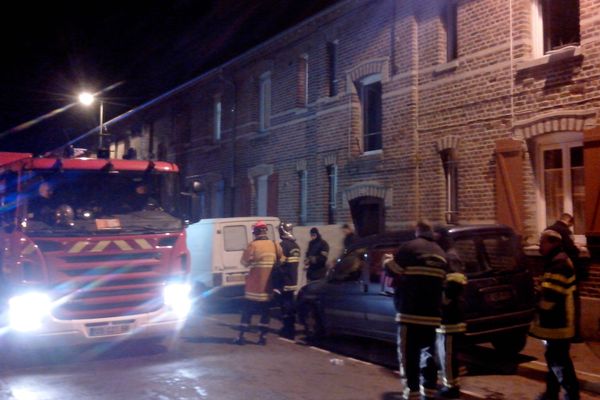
x,y
555,24
369,90
261,195
332,66
217,199
302,176
183,128
302,89
235,238
450,24
217,120
562,185
332,186
265,102
451,173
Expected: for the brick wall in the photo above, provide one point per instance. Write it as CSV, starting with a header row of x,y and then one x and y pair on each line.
x,y
494,90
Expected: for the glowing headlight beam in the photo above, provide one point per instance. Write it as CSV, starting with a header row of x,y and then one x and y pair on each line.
x,y
27,311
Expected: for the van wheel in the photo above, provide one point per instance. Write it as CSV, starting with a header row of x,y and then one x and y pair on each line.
x,y
313,325
510,343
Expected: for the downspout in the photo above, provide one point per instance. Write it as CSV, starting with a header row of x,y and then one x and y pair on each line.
x,y
233,168
511,75
416,132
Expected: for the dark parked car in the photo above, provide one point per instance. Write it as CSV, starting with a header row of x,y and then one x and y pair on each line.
x,y
355,297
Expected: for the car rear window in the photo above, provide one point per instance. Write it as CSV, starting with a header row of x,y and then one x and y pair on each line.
x,y
484,253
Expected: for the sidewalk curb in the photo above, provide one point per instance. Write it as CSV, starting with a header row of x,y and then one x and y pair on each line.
x,y
537,370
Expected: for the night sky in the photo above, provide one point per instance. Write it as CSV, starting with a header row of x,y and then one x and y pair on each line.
x,y
53,50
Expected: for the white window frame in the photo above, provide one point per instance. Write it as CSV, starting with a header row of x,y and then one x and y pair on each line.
x,y
217,118
563,141
264,117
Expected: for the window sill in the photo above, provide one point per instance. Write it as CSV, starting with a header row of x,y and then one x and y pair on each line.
x,y
445,67
553,56
372,153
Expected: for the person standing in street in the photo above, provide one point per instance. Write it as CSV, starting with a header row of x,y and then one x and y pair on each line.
x,y
316,256
418,269
563,227
285,279
451,331
259,257
349,237
554,323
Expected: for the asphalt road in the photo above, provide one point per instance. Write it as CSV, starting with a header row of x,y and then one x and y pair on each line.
x,y
204,364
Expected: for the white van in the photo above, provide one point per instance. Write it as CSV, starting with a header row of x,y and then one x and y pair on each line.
x,y
216,246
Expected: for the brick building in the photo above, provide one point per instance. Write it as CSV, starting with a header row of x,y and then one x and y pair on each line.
x,y
467,111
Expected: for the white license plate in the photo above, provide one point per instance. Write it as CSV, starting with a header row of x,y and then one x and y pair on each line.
x,y
235,278
109,330
499,296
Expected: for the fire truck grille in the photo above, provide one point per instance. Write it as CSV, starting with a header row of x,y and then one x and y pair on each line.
x,y
105,286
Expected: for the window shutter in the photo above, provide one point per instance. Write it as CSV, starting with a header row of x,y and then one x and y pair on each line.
x,y
509,183
591,166
273,195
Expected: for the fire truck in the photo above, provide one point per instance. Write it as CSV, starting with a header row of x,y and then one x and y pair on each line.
x,y
91,249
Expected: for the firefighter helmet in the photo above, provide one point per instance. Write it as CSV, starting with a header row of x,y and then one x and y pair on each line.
x,y
285,230
259,228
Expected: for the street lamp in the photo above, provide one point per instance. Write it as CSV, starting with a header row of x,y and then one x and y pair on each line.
x,y
87,98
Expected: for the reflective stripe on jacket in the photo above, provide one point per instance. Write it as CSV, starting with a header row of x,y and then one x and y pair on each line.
x,y
555,310
260,256
419,272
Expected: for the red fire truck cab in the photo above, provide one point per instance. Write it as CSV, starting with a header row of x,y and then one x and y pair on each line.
x,y
91,249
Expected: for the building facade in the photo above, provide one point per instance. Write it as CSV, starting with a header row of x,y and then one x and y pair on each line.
x,y
382,112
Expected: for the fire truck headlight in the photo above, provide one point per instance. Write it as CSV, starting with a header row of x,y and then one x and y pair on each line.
x,y
27,311
177,296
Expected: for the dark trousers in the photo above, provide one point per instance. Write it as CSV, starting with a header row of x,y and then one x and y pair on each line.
x,y
249,308
560,370
416,356
447,351
288,313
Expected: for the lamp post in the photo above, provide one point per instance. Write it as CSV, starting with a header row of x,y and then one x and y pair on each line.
x,y
87,98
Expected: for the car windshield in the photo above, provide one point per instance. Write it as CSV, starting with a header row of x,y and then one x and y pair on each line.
x,y
490,252
93,202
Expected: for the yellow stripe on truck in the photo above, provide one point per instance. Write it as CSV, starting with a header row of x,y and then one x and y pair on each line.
x,y
78,247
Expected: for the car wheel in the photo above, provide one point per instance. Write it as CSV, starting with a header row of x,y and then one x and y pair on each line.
x,y
313,325
510,343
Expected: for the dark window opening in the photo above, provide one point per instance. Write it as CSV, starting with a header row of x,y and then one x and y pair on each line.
x,y
332,66
372,115
561,23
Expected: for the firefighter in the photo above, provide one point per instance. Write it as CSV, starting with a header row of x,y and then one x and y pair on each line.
x,y
453,326
563,227
419,269
285,279
259,257
316,256
554,322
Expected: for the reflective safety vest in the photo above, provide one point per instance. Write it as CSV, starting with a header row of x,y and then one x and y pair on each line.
x,y
555,310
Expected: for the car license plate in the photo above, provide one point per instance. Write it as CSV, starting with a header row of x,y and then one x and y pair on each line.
x,y
499,296
109,330
235,278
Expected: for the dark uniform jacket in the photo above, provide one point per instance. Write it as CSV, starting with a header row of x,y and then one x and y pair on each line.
x,y
453,307
419,272
285,278
317,253
555,309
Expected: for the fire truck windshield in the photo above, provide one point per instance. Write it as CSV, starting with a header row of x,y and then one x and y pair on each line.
x,y
94,202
